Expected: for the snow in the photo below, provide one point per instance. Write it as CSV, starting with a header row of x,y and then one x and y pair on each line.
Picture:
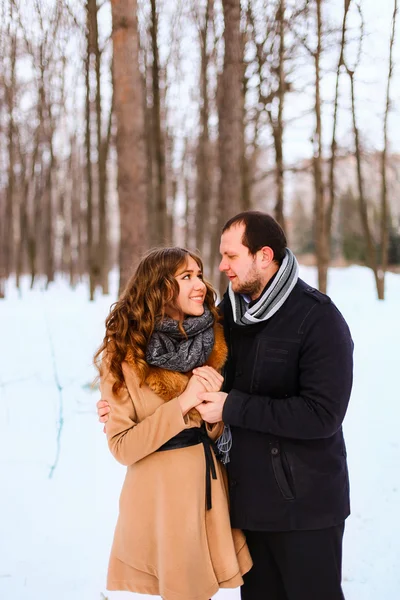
x,y
59,501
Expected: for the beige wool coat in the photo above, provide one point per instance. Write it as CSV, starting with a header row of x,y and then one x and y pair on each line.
x,y
166,543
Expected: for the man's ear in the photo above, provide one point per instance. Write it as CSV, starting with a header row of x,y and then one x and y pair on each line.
x,y
267,256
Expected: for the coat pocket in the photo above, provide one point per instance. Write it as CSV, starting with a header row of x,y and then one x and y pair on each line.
x,y
282,472
270,366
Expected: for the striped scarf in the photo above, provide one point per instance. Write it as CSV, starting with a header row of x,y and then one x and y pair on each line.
x,y
273,297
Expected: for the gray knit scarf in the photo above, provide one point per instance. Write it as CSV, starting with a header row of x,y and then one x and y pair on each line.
x,y
266,306
273,297
169,349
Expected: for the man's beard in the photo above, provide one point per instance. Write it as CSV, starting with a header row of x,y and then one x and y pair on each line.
x,y
252,286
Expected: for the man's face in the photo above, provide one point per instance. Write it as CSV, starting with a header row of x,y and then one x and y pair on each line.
x,y
241,267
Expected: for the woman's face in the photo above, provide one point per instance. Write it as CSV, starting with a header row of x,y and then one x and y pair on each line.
x,y
192,290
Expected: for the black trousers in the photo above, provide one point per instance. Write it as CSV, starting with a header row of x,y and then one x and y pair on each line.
x,y
295,565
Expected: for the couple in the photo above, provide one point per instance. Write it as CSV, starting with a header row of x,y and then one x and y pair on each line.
x,y
286,354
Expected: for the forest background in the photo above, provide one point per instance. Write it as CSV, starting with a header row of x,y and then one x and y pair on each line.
x,y
126,125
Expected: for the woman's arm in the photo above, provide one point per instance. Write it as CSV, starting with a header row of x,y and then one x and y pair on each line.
x,y
128,440
214,430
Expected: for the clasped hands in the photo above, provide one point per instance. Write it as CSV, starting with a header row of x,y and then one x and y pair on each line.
x,y
212,399
203,393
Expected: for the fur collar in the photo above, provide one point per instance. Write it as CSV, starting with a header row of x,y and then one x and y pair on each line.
x,y
169,384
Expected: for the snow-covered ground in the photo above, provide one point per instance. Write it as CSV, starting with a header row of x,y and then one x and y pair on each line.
x,y
60,486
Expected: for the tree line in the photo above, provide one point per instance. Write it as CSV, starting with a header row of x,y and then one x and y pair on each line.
x,y
97,146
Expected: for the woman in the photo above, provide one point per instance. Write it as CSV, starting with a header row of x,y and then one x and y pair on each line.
x,y
173,536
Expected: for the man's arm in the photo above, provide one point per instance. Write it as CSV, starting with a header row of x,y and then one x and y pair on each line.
x,y
325,371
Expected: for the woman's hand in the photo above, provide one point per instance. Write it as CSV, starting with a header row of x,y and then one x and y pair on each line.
x,y
210,378
188,399
103,408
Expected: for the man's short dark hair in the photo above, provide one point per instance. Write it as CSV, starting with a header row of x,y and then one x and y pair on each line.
x,y
260,229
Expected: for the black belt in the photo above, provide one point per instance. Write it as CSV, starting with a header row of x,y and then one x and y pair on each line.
x,y
192,437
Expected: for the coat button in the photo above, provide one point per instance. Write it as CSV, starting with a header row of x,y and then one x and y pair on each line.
x,y
274,451
233,482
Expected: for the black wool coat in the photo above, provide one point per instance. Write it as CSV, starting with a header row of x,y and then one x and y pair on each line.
x,y
288,381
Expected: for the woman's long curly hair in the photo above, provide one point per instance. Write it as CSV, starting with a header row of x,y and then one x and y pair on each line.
x,y
132,318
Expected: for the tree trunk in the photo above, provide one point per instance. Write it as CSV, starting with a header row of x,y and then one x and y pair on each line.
x,y
32,195
247,162
76,216
230,105
128,103
49,218
231,114
332,165
69,199
148,126
247,154
3,250
104,247
385,216
371,251
22,216
81,240
278,130
102,152
8,217
187,212
89,174
203,183
321,248
160,189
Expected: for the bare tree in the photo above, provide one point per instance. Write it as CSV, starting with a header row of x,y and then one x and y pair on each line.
x,y
40,235
203,172
6,230
385,217
321,245
231,113
160,190
315,52
103,144
363,206
272,87
128,103
277,127
189,194
332,165
92,267
45,52
147,83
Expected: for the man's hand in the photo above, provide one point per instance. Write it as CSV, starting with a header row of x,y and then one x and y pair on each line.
x,y
212,406
103,408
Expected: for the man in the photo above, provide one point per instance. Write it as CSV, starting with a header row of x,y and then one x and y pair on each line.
x,y
287,386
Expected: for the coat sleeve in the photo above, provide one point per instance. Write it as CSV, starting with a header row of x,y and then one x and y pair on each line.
x,y
128,439
325,381
214,430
